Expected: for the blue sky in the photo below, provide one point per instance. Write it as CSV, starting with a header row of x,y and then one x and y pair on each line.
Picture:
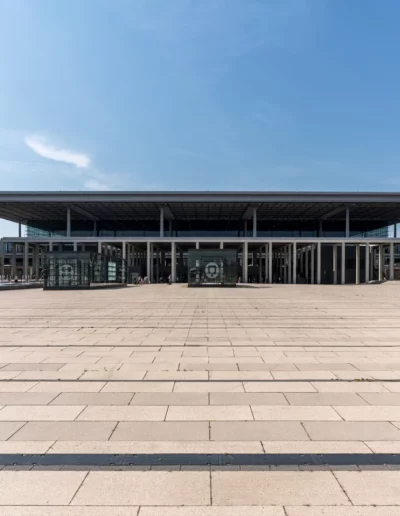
x,y
188,94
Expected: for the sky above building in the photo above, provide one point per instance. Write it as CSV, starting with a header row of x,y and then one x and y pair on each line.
x,y
210,95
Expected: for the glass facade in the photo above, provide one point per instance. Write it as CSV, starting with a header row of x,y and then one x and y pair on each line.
x,y
77,270
212,267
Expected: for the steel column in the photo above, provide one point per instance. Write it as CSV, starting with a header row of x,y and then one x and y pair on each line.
x,y
319,263
357,264
334,264
367,262
391,273
270,262
294,263
343,272
173,262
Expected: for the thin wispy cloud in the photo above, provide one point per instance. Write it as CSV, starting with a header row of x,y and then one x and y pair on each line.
x,y
42,148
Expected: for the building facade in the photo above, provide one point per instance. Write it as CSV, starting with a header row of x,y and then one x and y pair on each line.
x,y
283,237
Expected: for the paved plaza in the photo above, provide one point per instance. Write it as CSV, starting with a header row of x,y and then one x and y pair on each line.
x,y
269,400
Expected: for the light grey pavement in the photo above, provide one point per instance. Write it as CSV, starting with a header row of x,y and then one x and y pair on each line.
x,y
272,369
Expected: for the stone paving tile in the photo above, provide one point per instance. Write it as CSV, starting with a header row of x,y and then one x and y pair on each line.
x,y
371,487
138,387
68,511
276,488
209,413
40,413
177,375
65,431
351,431
279,387
129,413
89,398
7,429
209,387
316,447
258,431
343,511
384,446
240,398
144,488
325,398
39,488
156,447
349,387
294,413
211,511
170,398
25,446
162,431
67,387
31,367
367,413
27,398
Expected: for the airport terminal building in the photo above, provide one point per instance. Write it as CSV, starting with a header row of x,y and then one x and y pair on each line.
x,y
278,237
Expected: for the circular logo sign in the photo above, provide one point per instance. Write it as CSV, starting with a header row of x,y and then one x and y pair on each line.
x,y
211,270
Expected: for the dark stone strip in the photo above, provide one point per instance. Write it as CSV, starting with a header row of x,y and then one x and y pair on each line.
x,y
201,459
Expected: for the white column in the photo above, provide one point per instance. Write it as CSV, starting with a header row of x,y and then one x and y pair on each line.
x,y
367,262
260,265
289,263
391,273
173,262
197,245
221,245
357,264
2,254
14,261
307,268
334,264
245,262
285,265
294,263
254,222
312,264
75,246
343,274
319,263
270,262
99,247
347,222
50,247
26,259
161,221
37,262
380,262
68,222
302,260
148,264
124,262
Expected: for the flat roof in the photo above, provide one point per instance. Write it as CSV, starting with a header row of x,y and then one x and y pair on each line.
x,y
199,205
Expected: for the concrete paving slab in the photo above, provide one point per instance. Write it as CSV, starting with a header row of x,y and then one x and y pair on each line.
x,y
65,431
371,487
162,431
39,488
354,431
144,488
276,488
258,431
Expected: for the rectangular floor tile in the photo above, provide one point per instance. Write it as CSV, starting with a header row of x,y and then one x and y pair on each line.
x,y
371,487
278,387
170,398
155,447
325,398
208,413
375,398
65,431
130,413
349,387
25,447
294,413
208,387
144,488
351,431
138,387
247,398
315,447
68,511
40,413
367,413
276,488
162,431
8,429
258,431
92,398
67,387
27,398
211,511
39,488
